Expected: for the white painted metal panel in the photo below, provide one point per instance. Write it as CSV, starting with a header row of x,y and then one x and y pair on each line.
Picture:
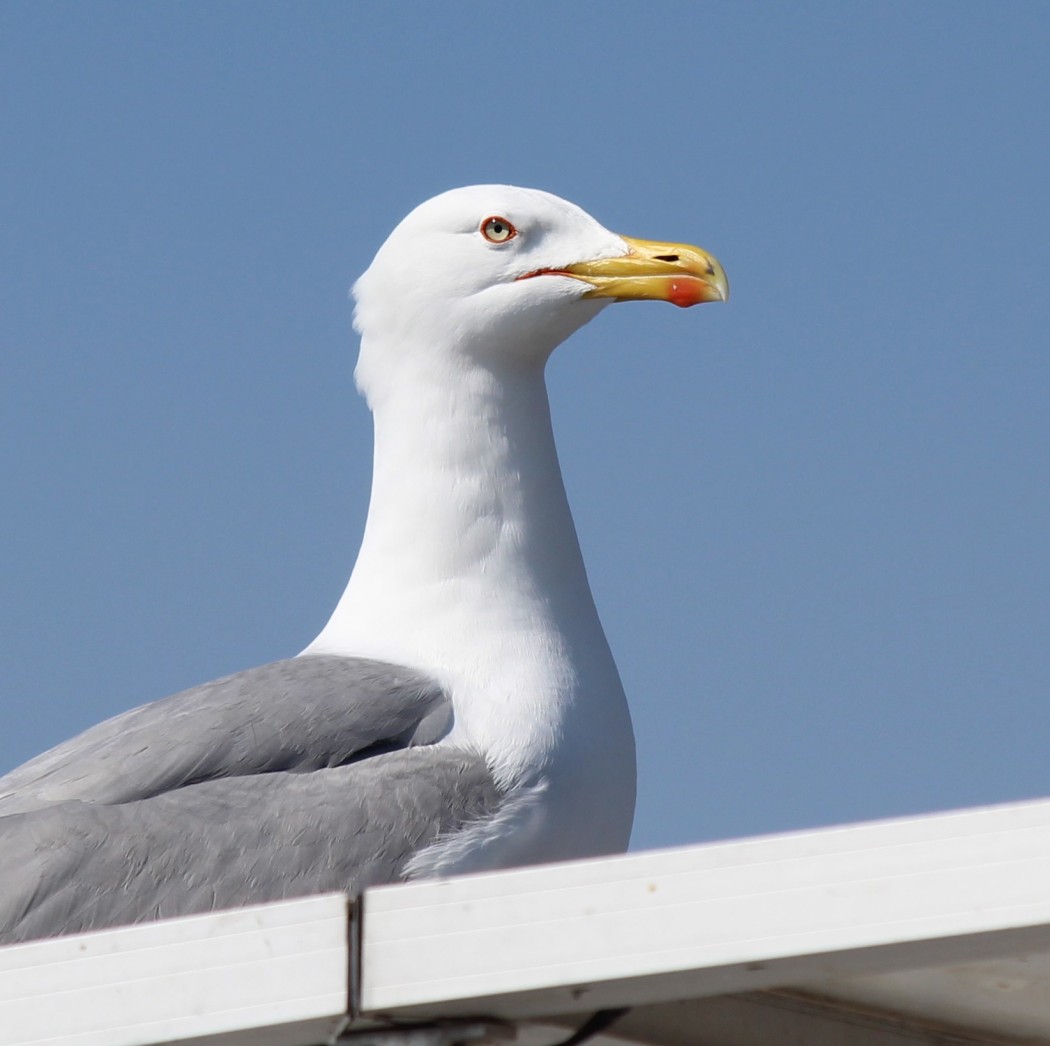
x,y
272,975
881,934
717,919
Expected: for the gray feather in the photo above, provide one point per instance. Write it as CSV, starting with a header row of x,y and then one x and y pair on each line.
x,y
313,774
80,866
302,714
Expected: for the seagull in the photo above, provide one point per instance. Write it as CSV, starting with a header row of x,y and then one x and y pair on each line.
x,y
461,710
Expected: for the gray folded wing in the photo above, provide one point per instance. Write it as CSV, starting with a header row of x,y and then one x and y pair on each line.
x,y
314,774
301,714
219,844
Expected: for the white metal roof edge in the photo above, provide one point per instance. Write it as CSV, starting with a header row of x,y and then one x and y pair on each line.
x,y
805,909
712,919
269,973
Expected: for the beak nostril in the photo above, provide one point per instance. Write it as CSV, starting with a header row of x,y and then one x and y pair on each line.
x,y
666,257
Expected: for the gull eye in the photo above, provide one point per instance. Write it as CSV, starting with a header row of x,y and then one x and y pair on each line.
x,y
498,230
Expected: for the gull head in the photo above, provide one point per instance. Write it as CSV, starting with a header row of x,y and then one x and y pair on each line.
x,y
499,275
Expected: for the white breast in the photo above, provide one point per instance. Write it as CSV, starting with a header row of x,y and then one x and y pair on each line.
x,y
470,570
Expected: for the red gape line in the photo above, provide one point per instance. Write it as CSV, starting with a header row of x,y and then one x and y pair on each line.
x,y
544,272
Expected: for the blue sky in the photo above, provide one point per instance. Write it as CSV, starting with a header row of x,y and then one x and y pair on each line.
x,y
816,520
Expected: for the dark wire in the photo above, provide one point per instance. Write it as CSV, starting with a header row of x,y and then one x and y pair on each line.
x,y
598,1022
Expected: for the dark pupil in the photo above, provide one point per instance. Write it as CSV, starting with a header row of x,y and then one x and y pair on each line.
x,y
497,228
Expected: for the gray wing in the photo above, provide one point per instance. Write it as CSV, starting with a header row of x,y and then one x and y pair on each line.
x,y
300,715
78,866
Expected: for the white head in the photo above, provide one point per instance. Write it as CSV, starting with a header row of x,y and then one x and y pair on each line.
x,y
498,275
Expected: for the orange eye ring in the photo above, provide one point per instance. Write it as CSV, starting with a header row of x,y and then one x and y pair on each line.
x,y
498,230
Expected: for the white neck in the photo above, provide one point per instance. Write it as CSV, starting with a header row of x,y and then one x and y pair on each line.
x,y
470,568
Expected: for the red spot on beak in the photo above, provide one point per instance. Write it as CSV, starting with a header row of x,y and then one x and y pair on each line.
x,y
685,293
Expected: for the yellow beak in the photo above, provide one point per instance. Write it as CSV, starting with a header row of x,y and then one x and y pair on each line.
x,y
674,272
